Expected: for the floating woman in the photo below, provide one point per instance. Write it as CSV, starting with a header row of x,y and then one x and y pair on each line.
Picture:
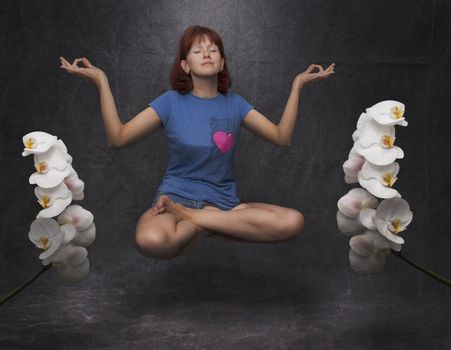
x,y
197,196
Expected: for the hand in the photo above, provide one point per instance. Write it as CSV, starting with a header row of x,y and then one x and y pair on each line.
x,y
91,72
307,76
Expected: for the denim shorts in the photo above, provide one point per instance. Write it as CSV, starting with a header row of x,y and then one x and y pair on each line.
x,y
190,203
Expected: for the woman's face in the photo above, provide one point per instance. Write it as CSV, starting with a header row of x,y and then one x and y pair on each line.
x,y
203,59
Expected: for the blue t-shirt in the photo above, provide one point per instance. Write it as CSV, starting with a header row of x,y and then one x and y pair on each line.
x,y
203,134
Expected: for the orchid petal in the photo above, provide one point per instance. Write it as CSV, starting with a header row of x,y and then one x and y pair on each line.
x,y
366,218
69,232
86,237
348,226
363,119
362,264
379,155
37,142
77,216
351,179
73,273
376,189
372,132
51,178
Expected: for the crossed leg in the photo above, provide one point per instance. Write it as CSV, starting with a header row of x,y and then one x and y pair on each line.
x,y
170,229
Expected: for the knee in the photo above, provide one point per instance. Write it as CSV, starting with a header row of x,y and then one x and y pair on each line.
x,y
154,244
293,224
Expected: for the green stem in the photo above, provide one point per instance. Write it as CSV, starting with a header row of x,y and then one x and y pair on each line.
x,y
423,269
18,289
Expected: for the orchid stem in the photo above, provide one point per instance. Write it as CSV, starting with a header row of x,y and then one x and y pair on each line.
x,y
18,289
423,269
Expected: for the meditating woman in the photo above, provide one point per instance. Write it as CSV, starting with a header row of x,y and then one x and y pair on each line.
x,y
201,118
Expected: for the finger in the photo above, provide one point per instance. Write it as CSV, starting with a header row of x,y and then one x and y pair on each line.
x,y
76,61
64,62
321,69
331,67
310,68
86,62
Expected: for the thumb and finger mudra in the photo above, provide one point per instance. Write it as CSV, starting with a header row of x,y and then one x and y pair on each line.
x,y
74,68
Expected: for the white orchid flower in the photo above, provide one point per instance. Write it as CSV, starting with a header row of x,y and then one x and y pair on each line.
x,y
349,226
376,143
85,237
368,251
366,264
360,122
355,200
75,185
69,254
350,221
82,219
379,179
61,145
54,200
48,235
352,166
366,217
51,168
73,274
71,262
393,215
371,242
37,142
388,112
77,216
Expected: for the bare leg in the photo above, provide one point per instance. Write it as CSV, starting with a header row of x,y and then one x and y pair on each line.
x,y
167,236
251,223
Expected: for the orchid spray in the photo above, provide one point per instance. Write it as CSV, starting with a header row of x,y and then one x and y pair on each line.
x,y
376,229
65,239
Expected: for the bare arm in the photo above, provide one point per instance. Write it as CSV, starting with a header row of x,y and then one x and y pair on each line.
x,y
111,121
282,133
118,134
288,120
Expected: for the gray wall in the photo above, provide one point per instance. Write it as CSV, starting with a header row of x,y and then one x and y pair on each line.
x,y
382,49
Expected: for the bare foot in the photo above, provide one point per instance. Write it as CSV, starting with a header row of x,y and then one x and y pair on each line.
x,y
165,204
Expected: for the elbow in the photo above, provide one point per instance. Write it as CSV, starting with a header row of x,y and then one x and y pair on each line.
x,y
116,141
113,144
284,143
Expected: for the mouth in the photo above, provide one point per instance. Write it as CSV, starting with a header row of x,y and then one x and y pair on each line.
x,y
203,64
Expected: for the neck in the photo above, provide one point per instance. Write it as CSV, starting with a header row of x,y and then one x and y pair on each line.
x,y
206,87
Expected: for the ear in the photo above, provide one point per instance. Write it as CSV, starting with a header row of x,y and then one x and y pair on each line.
x,y
222,64
184,66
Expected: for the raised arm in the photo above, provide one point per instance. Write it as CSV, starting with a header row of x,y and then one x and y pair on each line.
x,y
288,120
118,134
281,134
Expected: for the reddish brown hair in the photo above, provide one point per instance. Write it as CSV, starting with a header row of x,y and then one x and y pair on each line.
x,y
181,81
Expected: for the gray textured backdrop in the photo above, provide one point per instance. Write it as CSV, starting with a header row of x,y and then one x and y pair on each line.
x,y
382,49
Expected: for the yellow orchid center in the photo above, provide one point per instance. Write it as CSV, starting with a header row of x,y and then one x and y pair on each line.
x,y
41,167
388,179
395,226
388,141
30,143
397,112
44,201
44,241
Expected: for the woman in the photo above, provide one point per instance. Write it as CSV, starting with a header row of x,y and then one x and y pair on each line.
x,y
197,196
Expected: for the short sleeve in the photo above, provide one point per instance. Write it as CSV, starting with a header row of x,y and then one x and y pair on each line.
x,y
162,105
243,107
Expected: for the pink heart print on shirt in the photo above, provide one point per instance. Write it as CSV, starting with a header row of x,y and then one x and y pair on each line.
x,y
223,141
